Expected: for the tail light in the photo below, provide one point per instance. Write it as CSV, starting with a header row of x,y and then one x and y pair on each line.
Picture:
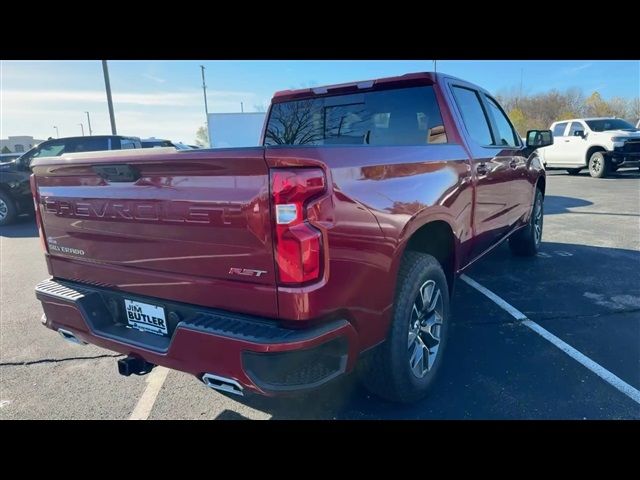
x,y
36,205
298,244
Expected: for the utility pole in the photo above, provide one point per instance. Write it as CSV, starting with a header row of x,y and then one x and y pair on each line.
x,y
206,108
89,123
107,85
82,128
57,132
435,65
241,107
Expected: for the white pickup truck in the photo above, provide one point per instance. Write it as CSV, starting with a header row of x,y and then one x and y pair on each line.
x,y
600,144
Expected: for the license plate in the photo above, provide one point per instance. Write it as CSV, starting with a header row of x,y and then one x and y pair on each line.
x,y
146,317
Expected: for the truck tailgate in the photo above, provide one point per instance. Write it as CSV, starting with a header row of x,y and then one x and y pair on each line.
x,y
193,227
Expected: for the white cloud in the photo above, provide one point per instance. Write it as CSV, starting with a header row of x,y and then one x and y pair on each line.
x,y
154,78
175,99
579,68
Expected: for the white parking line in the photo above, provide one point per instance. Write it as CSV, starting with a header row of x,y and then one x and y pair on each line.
x,y
596,368
154,383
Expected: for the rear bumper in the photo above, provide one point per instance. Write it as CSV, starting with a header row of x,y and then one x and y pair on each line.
x,y
257,353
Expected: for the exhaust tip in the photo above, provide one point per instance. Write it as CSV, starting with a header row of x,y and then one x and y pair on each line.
x,y
222,384
70,337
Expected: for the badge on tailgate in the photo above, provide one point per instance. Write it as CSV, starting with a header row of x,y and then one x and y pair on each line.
x,y
145,317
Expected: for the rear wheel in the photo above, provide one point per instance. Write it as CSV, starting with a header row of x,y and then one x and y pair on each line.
x,y
573,171
526,241
598,165
405,366
7,209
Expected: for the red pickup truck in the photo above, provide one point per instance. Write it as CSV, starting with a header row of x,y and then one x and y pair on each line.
x,y
274,269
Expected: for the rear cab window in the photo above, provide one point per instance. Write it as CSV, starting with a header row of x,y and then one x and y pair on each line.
x,y
405,116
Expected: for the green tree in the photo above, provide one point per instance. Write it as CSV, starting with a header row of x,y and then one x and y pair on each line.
x,y
202,136
5,150
519,120
634,108
596,106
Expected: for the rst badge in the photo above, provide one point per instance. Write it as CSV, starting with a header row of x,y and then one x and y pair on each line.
x,y
247,272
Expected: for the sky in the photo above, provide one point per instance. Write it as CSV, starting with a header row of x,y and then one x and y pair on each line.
x,y
164,99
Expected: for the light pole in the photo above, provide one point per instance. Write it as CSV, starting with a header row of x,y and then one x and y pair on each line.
x,y
57,132
82,128
206,108
107,85
89,123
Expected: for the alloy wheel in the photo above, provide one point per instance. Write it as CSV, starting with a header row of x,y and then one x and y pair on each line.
x,y
4,209
425,325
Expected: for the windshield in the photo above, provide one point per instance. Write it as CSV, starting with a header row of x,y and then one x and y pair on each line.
x,y
609,124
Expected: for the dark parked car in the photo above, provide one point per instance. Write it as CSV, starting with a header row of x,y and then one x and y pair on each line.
x,y
155,143
7,157
15,196
278,268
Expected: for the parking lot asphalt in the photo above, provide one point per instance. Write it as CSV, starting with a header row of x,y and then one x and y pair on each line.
x,y
583,287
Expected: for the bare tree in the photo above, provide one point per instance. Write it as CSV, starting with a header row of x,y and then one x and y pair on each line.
x,y
539,111
293,123
202,136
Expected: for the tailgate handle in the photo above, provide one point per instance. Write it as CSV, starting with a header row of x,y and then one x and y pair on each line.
x,y
117,173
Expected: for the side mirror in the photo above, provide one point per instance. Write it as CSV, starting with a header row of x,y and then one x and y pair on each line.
x,y
539,138
579,133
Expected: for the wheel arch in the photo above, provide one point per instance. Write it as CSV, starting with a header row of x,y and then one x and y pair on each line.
x,y
434,236
591,150
541,184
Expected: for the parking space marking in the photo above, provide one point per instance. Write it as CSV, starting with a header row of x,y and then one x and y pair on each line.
x,y
585,361
154,383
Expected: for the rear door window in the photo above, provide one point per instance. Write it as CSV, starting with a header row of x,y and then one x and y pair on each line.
x,y
86,144
127,143
473,115
408,116
575,126
558,130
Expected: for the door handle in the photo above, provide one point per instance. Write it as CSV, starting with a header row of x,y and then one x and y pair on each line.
x,y
567,141
482,169
513,163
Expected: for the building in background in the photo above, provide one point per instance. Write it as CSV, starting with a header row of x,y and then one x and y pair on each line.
x,y
19,144
228,130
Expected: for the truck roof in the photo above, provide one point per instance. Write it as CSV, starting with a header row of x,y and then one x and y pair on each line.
x,y
582,119
409,79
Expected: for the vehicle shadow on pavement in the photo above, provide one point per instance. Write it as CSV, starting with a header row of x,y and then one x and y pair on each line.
x,y
554,204
24,226
622,173
495,368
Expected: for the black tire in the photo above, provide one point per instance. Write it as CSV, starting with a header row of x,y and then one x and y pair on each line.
x,y
386,371
526,241
7,209
573,171
598,165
